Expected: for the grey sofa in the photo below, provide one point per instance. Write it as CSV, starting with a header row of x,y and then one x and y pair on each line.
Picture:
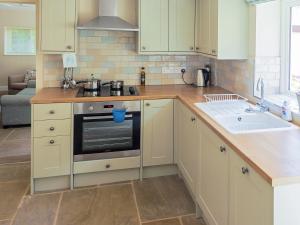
x,y
17,83
16,109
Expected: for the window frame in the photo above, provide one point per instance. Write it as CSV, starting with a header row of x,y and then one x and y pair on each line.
x,y
286,6
6,53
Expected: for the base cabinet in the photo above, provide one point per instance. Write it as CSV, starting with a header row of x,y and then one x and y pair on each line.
x,y
213,177
158,129
188,145
251,197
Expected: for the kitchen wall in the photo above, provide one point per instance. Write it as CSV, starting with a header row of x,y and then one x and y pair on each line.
x,y
10,65
113,55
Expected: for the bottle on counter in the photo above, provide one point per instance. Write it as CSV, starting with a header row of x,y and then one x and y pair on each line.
x,y
286,112
143,76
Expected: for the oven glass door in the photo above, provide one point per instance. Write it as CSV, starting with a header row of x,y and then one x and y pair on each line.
x,y
98,133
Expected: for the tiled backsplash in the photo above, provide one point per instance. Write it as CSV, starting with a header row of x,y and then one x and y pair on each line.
x,y
112,55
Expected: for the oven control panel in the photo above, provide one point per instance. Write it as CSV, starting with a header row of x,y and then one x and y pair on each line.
x,y
106,107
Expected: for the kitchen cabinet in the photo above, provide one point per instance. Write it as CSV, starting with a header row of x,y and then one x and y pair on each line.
x,y
222,29
251,197
154,25
188,146
182,25
158,132
51,139
58,26
167,26
213,178
51,156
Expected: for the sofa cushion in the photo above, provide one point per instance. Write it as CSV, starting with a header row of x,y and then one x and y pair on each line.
x,y
18,86
27,91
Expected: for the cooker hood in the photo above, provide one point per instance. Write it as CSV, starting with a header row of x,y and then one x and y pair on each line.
x,y
108,19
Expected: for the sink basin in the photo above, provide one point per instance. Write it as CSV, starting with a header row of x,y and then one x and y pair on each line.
x,y
233,117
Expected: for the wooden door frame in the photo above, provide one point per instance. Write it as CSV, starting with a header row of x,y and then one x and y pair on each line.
x,y
39,55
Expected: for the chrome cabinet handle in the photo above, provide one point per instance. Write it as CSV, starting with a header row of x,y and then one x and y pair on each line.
x,y
192,48
52,129
214,51
69,47
147,104
222,149
107,166
52,112
197,48
193,119
51,142
144,48
245,170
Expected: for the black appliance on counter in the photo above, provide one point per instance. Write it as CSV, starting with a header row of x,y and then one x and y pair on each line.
x,y
97,136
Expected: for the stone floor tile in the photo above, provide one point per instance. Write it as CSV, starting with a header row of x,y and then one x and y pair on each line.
x,y
16,171
11,194
192,220
164,222
107,205
16,149
163,197
20,133
38,210
5,222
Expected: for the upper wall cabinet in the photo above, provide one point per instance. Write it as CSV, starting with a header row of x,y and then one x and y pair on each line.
x,y
167,26
154,20
182,25
58,23
222,28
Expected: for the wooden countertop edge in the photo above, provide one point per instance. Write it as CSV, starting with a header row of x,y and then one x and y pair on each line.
x,y
201,115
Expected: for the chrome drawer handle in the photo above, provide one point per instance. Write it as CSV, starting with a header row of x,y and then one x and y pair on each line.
x,y
222,149
107,166
51,142
69,47
147,104
245,170
52,112
52,129
144,48
192,48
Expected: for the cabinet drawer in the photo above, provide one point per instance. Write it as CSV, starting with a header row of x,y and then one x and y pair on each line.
x,y
50,128
106,165
51,156
52,111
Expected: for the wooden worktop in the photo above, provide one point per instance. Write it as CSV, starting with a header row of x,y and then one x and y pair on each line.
x,y
275,155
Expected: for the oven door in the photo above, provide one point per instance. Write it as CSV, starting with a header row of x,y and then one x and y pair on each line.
x,y
97,136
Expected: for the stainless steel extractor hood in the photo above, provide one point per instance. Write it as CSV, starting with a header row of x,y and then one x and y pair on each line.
x,y
108,19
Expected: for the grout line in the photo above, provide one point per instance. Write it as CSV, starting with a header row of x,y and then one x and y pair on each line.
x,y
20,204
135,202
180,220
167,218
4,139
58,208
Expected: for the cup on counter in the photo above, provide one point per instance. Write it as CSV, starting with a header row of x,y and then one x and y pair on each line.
x,y
298,97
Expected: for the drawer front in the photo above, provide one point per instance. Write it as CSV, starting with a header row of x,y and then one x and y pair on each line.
x,y
50,128
106,165
51,156
52,111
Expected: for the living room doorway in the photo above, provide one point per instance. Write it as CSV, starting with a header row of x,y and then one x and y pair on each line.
x,y
17,79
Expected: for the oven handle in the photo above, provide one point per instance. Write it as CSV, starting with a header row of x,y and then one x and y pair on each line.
x,y
103,117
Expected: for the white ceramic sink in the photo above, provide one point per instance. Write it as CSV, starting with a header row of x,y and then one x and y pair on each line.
x,y
233,117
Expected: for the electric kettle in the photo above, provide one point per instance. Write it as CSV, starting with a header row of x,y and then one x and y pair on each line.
x,y
203,77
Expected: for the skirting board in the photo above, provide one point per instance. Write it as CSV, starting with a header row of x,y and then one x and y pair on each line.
x,y
51,184
82,180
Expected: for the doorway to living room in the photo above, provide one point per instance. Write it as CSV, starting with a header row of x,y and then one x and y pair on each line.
x,y
17,79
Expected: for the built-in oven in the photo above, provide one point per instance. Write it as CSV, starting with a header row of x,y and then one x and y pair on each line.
x,y
98,136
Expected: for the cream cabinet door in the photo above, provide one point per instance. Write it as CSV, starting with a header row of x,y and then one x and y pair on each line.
x,y
250,196
51,156
154,25
182,25
203,26
158,132
213,180
189,148
58,23
213,28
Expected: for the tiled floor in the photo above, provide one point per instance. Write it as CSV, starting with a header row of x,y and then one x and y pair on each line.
x,y
155,201
15,145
